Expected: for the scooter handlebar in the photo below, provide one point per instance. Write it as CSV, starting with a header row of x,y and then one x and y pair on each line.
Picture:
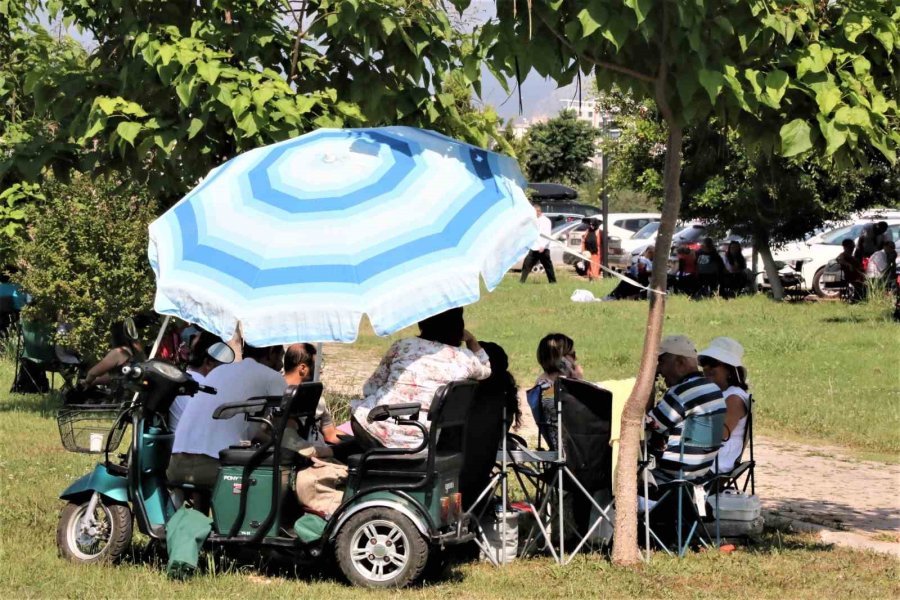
x,y
207,390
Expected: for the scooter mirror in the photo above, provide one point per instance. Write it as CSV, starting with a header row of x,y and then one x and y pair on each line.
x,y
221,352
131,329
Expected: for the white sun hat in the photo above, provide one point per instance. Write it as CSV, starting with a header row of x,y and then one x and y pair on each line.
x,y
725,350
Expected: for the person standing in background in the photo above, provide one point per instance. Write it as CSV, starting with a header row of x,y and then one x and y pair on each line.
x,y
539,251
591,244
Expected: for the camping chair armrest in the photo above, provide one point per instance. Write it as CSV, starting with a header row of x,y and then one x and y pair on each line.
x,y
383,412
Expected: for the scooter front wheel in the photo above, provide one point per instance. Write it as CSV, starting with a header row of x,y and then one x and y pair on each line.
x,y
101,537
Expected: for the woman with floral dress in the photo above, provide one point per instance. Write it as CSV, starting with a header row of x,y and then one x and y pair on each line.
x,y
412,371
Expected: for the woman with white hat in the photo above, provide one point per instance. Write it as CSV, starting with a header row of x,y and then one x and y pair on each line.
x,y
722,365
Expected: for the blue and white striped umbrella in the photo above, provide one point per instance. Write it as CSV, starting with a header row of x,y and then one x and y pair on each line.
x,y
296,241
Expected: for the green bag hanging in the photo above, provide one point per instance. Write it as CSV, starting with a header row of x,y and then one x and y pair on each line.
x,y
310,527
185,533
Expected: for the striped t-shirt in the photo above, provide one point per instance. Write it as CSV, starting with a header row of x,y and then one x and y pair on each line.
x,y
693,395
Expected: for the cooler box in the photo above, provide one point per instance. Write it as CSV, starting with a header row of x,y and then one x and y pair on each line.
x,y
736,507
739,514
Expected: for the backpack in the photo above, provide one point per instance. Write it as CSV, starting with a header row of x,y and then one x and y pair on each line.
x,y
590,242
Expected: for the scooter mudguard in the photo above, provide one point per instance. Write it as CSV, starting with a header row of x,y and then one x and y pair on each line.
x,y
112,487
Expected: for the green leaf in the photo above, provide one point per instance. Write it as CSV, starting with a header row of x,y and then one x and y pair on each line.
x,y
835,135
209,71
616,31
827,98
815,60
641,8
591,18
388,25
796,138
856,24
107,105
776,85
712,82
262,95
194,128
861,66
185,92
128,130
853,115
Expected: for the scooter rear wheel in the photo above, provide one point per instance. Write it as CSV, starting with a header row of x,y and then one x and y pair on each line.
x,y
105,541
381,548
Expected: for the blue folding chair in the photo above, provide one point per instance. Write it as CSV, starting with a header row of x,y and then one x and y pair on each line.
x,y
700,434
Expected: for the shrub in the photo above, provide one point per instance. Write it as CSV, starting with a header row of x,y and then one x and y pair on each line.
x,y
84,260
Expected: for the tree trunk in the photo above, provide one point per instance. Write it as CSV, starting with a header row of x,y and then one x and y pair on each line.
x,y
762,246
625,543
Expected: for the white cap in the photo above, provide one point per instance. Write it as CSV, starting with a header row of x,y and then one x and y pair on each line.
x,y
678,345
725,350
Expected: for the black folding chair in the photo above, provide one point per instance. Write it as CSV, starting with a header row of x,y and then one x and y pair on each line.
x,y
578,464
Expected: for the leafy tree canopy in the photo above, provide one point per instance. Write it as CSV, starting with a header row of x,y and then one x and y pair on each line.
x,y
558,149
172,89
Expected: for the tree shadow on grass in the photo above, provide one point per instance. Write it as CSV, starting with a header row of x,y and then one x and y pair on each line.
x,y
45,405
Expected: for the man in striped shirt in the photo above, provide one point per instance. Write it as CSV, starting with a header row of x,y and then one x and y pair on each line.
x,y
689,394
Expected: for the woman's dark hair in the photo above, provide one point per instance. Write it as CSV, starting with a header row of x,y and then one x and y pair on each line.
x,y
118,337
737,376
257,352
446,327
204,340
708,244
552,349
501,381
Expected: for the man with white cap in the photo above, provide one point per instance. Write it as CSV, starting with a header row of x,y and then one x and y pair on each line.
x,y
689,394
722,364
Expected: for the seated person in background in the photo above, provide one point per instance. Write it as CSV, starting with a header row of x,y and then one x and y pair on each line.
x,y
721,363
124,349
501,382
710,268
556,355
200,364
734,277
851,268
882,265
686,271
688,393
412,371
199,438
640,270
299,364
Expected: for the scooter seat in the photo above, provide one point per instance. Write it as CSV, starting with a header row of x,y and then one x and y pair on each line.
x,y
401,464
240,456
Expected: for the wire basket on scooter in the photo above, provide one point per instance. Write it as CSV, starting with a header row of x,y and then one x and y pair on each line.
x,y
89,428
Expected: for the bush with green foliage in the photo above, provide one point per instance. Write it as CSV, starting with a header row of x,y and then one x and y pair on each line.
x,y
84,261
559,149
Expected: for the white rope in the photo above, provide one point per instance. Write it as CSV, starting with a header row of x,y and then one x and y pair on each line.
x,y
567,250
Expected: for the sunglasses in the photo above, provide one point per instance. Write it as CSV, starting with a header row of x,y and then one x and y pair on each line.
x,y
709,362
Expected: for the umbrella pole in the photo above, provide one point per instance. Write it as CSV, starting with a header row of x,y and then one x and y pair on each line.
x,y
317,368
159,337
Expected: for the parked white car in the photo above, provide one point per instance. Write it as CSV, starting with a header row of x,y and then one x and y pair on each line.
x,y
813,254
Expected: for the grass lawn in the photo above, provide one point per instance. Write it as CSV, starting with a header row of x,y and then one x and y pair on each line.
x,y
818,371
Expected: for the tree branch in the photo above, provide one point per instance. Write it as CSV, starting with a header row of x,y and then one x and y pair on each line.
x,y
600,63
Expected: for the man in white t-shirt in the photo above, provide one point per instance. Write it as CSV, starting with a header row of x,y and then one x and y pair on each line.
x,y
199,437
539,251
200,364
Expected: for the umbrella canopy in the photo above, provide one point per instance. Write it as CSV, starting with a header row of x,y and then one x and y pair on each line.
x,y
296,241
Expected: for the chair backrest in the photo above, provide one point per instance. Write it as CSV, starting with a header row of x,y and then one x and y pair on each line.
x,y
484,432
36,344
449,415
586,420
545,421
301,404
703,430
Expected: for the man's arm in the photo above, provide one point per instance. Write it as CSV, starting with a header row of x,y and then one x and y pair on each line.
x,y
666,415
